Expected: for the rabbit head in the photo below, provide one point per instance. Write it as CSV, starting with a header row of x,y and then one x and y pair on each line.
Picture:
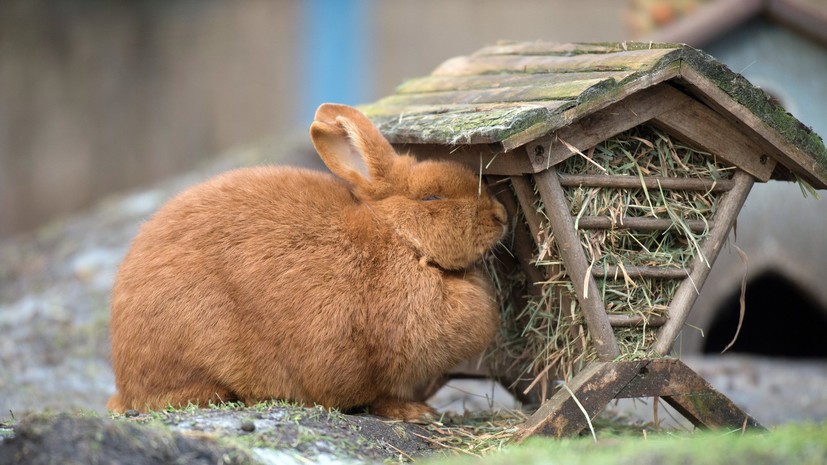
x,y
439,208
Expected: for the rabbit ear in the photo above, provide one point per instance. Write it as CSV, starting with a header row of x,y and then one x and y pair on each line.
x,y
350,145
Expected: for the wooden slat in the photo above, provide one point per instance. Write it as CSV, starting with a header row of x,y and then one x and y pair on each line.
x,y
651,182
637,60
689,394
639,224
459,124
587,107
592,389
625,321
490,112
601,382
525,197
687,292
557,208
496,81
653,272
473,156
546,48
773,143
587,132
566,90
700,126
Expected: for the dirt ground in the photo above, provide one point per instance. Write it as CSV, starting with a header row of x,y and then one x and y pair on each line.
x,y
54,356
275,434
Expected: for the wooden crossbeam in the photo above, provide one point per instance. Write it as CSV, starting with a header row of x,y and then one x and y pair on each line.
x,y
653,272
650,182
601,382
638,223
625,321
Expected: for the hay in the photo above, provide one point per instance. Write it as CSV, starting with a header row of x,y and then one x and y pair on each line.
x,y
544,337
474,433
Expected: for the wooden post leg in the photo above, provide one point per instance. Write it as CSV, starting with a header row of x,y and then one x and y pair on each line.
x,y
689,394
600,382
593,388
712,409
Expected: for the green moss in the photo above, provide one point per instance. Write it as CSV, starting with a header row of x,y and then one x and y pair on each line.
x,y
799,444
458,126
450,119
614,47
758,102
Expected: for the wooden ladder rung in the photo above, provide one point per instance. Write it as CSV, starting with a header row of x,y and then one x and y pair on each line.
x,y
656,272
640,224
651,182
625,321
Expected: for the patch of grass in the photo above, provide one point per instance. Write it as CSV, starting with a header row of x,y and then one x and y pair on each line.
x,y
801,444
474,433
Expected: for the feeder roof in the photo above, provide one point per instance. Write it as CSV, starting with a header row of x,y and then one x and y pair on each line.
x,y
507,95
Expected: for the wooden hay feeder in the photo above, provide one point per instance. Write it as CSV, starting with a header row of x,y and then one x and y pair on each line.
x,y
624,167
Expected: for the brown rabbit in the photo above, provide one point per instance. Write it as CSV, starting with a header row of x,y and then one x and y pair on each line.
x,y
281,283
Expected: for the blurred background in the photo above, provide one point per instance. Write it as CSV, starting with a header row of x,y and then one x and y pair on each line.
x,y
98,96
103,97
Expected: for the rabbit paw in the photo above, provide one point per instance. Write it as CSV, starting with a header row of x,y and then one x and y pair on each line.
x,y
406,410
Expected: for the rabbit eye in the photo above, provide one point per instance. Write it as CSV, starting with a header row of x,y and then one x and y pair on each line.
x,y
432,197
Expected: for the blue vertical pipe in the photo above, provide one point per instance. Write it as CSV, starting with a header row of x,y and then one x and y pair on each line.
x,y
336,53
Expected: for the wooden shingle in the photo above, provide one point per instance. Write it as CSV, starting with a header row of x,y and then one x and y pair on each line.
x,y
505,96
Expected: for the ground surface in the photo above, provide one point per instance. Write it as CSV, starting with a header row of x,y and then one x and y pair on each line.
x,y
54,354
272,434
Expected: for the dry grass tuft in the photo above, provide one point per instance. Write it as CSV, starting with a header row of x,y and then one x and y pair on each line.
x,y
475,433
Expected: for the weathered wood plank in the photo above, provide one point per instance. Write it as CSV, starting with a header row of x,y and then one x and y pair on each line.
x,y
568,244
653,272
639,223
525,197
774,144
594,387
553,48
459,124
496,81
566,90
687,292
474,156
650,182
636,60
491,111
545,48
689,394
711,409
625,321
587,132
702,127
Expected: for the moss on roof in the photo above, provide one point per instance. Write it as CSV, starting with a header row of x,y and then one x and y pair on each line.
x,y
510,90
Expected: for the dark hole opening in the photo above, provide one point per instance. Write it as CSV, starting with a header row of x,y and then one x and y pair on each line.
x,y
781,320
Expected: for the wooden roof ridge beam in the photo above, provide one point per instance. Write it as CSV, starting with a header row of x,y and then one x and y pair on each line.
x,y
772,142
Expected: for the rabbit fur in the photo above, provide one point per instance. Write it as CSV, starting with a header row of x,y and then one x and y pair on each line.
x,y
345,291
